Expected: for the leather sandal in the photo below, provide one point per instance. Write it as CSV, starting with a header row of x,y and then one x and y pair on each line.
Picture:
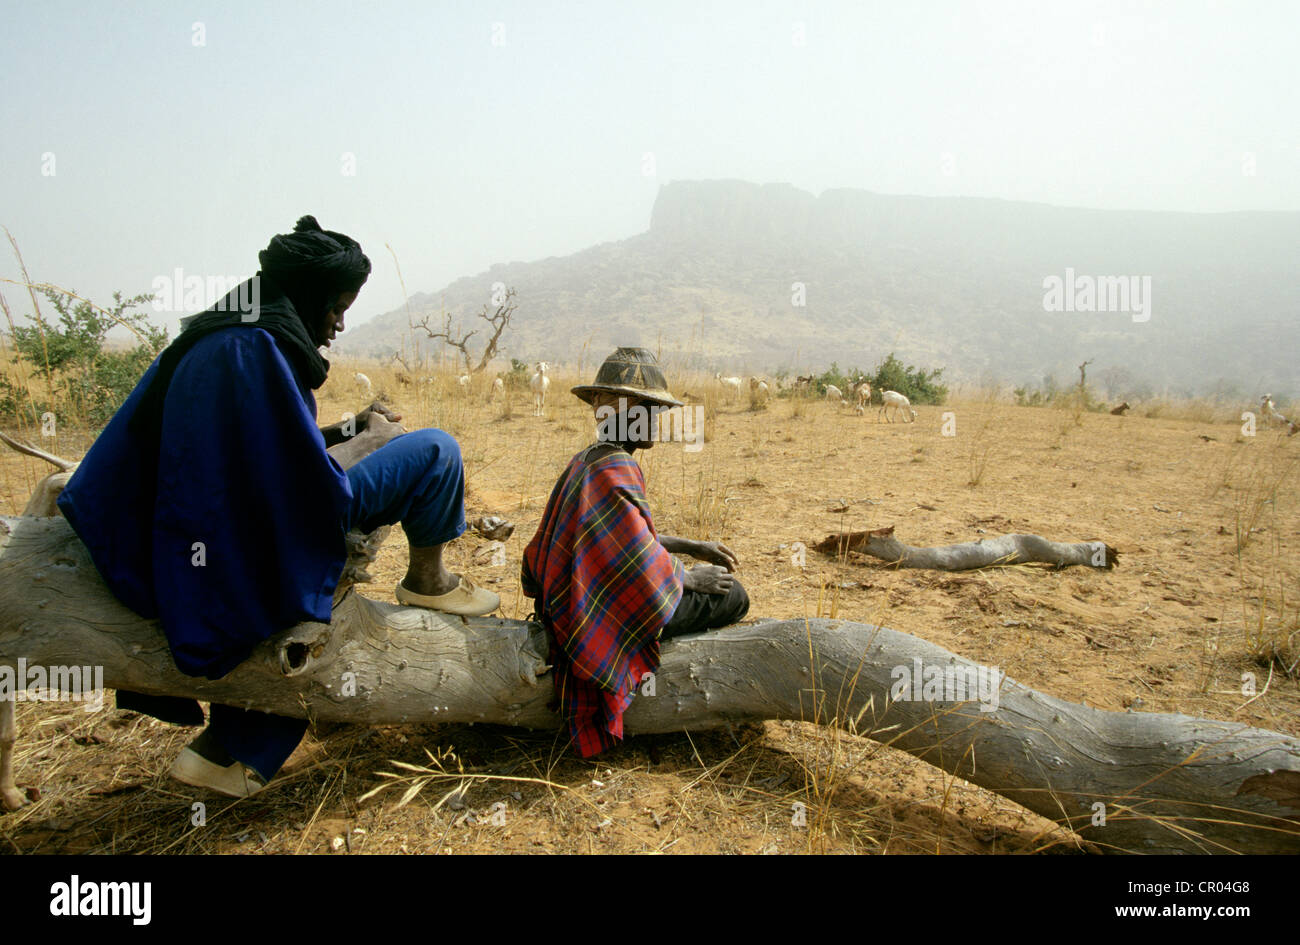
x,y
465,600
232,780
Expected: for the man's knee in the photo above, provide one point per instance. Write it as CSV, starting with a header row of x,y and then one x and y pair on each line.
x,y
437,445
737,602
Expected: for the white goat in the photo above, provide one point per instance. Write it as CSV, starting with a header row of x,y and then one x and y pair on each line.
x,y
498,386
892,398
758,390
864,396
833,394
362,381
730,385
1267,408
539,384
463,381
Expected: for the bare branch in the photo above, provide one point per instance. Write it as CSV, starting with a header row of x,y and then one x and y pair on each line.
x,y
500,321
20,446
462,344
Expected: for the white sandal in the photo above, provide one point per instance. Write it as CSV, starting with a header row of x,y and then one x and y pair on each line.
x,y
464,600
233,780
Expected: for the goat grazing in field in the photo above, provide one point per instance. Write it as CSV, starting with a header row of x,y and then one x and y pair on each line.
x,y
1270,412
758,391
1121,410
498,386
463,381
803,383
539,384
863,392
892,398
1271,415
731,386
833,395
362,381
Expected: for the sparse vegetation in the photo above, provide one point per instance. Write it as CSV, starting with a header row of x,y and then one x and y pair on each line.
x,y
764,479
918,385
496,314
72,370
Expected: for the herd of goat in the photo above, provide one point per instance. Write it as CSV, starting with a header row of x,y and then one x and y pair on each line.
x,y
539,384
859,394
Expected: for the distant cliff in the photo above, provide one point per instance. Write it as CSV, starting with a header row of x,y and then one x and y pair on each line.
x,y
718,279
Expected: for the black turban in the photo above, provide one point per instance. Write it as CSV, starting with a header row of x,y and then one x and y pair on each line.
x,y
313,267
302,274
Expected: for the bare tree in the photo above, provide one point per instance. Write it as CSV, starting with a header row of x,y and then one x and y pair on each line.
x,y
1083,375
497,321
406,371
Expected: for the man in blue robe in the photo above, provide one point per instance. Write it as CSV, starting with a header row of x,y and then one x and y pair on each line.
x,y
211,504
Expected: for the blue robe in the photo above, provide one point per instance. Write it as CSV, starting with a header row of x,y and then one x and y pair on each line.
x,y
239,534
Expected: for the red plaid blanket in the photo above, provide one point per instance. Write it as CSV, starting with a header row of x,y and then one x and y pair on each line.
x,y
604,588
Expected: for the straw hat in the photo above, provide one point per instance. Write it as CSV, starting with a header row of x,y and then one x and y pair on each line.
x,y
633,372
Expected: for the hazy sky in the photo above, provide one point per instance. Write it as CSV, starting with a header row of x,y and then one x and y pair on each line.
x,y
185,135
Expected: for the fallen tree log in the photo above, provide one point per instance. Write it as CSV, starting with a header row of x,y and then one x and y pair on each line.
x,y
967,556
46,493
1165,783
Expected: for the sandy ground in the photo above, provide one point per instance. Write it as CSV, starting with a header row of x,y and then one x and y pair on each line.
x,y
1170,630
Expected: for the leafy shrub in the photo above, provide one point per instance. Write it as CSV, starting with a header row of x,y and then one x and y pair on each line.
x,y
831,377
916,384
69,355
1044,395
519,375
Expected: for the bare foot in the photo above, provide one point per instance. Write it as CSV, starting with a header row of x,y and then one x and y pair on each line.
x,y
431,585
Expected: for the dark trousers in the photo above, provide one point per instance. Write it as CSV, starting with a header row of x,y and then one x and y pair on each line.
x,y
417,479
698,612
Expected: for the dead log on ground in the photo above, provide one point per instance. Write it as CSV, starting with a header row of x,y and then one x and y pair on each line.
x,y
1166,782
985,553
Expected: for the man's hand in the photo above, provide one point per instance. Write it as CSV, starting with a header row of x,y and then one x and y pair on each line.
x,y
708,579
380,422
715,553
376,409
711,552
370,429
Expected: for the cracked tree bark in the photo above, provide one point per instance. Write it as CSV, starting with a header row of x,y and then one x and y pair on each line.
x,y
1165,782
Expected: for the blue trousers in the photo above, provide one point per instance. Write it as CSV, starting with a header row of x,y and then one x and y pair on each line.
x,y
417,479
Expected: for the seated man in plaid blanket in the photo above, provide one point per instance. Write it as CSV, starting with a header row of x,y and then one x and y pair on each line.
x,y
606,585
